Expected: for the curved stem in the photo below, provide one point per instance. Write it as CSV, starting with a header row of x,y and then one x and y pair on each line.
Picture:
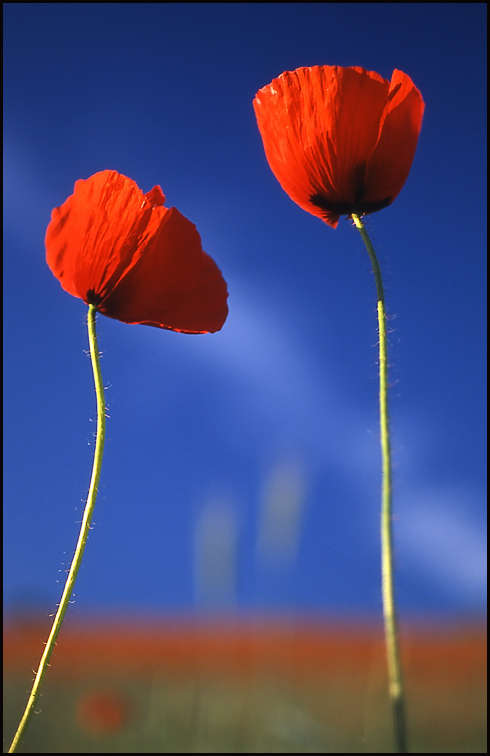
x,y
391,632
82,538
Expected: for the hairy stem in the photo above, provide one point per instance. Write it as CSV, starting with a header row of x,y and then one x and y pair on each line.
x,y
82,538
389,610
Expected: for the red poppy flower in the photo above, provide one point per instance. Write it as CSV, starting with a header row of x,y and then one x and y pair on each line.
x,y
133,259
340,140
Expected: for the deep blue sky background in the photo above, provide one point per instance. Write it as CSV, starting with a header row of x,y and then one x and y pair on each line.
x,y
242,469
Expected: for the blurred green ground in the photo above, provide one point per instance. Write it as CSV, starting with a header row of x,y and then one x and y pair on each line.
x,y
220,694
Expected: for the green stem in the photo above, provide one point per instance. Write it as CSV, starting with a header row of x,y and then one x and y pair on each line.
x,y
391,633
82,538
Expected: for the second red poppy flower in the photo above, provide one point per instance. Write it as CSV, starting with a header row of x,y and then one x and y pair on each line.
x,y
134,259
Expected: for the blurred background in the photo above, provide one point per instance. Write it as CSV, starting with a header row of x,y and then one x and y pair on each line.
x,y
240,489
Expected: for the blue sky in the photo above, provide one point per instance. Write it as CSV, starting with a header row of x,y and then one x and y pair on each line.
x,y
242,469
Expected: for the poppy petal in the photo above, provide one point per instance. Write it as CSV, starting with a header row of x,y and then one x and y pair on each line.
x,y
94,237
393,156
174,284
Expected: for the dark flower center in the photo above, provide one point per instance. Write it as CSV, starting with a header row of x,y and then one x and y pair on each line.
x,y
357,204
346,208
92,298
